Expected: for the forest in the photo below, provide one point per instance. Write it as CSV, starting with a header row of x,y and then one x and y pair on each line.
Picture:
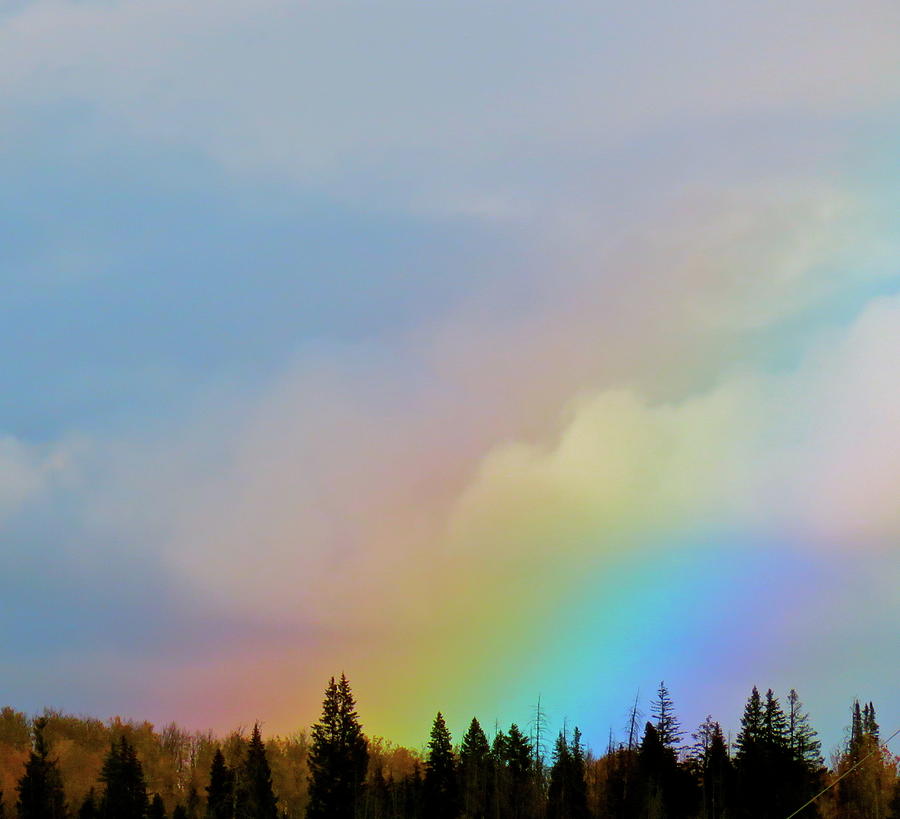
x,y
57,766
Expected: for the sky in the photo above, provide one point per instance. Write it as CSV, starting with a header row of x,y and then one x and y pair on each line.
x,y
485,351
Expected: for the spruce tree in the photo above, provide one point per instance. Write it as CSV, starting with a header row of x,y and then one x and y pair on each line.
x,y
40,789
802,739
717,776
749,760
579,801
559,791
523,795
663,711
338,758
441,790
864,793
88,809
804,766
475,771
254,798
157,809
774,732
750,736
220,791
654,763
125,793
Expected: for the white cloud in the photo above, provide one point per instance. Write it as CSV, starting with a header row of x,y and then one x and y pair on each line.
x,y
27,471
436,91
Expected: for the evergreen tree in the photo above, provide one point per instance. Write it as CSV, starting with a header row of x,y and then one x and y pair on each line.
x,y
655,761
869,725
803,778
88,809
378,796
220,791
519,766
125,793
157,809
338,759
579,801
412,796
500,780
749,760
663,711
750,737
40,789
254,798
716,776
441,794
475,772
867,789
193,803
567,793
774,734
560,773
802,739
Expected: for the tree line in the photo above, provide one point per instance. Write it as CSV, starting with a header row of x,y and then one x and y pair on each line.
x,y
772,768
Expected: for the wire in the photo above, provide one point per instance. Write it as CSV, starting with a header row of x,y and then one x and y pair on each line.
x,y
848,771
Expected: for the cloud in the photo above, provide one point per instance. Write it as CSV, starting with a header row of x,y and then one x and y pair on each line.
x,y
395,467
29,471
446,103
812,453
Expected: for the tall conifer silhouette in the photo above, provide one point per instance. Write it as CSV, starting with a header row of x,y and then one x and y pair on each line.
x,y
338,758
40,789
475,771
125,793
254,797
220,791
441,791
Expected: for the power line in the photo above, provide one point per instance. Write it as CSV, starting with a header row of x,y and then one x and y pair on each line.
x,y
845,773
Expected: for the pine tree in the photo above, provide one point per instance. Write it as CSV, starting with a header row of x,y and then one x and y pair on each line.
x,y
125,794
866,791
157,809
567,794
475,772
40,789
254,798
441,793
500,782
749,760
522,794
579,801
193,803
750,737
802,739
88,809
558,794
338,759
774,732
220,791
869,725
663,711
716,775
654,763
803,768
